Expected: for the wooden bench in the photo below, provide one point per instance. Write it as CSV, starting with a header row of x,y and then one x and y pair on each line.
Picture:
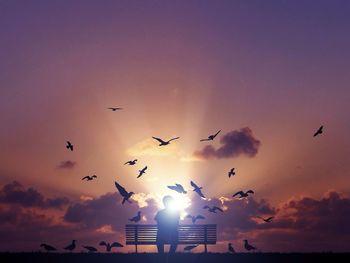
x,y
188,235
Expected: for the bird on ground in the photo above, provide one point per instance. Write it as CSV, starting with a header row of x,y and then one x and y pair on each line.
x,y
319,131
125,194
90,249
247,246
163,143
136,218
189,248
231,172
197,189
211,137
48,247
231,249
141,172
69,146
266,220
195,218
213,209
243,194
71,246
178,188
110,246
115,108
132,162
89,178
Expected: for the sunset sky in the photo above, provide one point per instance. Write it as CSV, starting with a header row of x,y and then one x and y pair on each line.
x,y
267,74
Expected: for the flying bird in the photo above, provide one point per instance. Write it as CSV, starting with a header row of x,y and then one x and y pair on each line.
x,y
247,246
141,172
110,246
125,194
48,247
178,188
266,220
136,218
115,108
243,194
231,249
189,248
231,172
89,178
197,189
70,247
69,146
132,162
319,131
90,249
163,143
213,209
211,137
195,218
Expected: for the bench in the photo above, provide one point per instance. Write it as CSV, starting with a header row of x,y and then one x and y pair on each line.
x,y
188,235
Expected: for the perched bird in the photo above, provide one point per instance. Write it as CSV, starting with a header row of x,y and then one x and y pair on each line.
x,y
69,146
132,162
231,249
319,131
243,194
266,220
89,178
247,246
126,195
189,248
70,247
115,108
197,189
136,218
211,137
213,209
90,249
163,143
195,218
231,172
178,188
48,247
141,172
110,246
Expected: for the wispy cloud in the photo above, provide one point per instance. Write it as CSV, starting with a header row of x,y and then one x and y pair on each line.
x,y
68,164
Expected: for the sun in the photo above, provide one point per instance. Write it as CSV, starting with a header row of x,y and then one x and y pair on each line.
x,y
180,203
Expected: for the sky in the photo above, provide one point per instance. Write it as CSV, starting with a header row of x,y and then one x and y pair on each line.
x,y
267,74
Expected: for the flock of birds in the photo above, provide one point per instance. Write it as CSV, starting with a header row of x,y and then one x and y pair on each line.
x,y
177,187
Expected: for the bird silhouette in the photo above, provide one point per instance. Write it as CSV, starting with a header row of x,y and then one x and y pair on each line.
x,y
243,194
132,162
89,178
115,108
90,249
211,137
71,246
319,131
136,218
197,189
110,246
163,143
213,209
189,248
69,146
231,172
126,195
266,220
141,172
48,247
178,188
231,249
247,246
195,218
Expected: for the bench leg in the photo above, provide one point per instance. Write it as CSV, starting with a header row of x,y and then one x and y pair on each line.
x,y
136,248
205,248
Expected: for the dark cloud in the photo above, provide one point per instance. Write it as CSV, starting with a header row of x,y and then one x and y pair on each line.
x,y
68,164
234,143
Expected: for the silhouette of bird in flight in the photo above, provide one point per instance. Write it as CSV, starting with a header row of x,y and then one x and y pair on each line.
x,y
178,188
195,218
48,247
132,162
189,248
136,218
89,178
231,249
110,246
70,247
197,189
319,131
213,209
266,220
125,194
90,249
69,146
231,172
141,172
243,194
115,108
163,143
247,246
211,137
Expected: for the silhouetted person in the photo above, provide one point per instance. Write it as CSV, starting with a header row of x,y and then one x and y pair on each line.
x,y
167,221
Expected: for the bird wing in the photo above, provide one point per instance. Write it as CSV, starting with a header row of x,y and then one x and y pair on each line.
x,y
144,169
172,187
199,192
103,243
127,162
85,177
121,189
158,139
217,133
203,140
200,217
94,176
238,193
68,142
250,191
218,208
194,185
174,139
116,244
270,218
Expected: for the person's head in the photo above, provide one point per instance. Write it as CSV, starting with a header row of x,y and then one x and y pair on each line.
x,y
168,201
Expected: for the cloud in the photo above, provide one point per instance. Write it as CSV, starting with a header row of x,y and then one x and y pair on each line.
x,y
234,143
68,164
